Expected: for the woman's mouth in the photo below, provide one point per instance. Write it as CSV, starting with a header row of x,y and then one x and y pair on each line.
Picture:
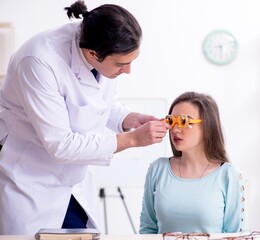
x,y
177,140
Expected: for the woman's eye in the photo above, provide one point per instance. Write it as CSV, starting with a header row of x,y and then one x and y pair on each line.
x,y
169,120
183,121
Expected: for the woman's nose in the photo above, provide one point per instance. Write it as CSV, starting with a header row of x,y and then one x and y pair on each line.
x,y
176,129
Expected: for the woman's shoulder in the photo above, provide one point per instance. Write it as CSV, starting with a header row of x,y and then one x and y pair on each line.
x,y
159,164
160,161
231,167
231,170
158,168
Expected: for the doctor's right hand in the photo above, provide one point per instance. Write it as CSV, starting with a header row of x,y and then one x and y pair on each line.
x,y
149,133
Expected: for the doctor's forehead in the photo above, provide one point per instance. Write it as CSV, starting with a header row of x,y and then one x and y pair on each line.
x,y
124,59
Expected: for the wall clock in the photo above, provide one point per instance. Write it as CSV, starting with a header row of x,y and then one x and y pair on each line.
x,y
220,47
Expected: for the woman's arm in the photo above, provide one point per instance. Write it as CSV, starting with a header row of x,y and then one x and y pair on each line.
x,y
148,221
234,207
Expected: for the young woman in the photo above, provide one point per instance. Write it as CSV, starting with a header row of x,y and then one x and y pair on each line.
x,y
197,189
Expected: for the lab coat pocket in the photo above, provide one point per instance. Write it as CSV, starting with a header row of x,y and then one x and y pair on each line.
x,y
35,169
88,118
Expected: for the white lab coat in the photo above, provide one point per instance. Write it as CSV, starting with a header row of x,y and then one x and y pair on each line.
x,y
54,117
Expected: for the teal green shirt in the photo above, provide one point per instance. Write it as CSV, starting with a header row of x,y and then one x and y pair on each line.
x,y
212,204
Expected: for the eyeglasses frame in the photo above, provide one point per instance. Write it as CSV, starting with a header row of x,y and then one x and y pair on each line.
x,y
172,120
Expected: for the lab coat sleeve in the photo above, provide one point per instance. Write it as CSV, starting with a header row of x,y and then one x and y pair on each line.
x,y
47,112
3,128
117,115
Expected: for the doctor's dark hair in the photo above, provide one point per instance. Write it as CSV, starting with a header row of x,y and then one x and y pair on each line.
x,y
107,29
214,144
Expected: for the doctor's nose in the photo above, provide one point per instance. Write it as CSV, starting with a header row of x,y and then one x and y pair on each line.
x,y
126,68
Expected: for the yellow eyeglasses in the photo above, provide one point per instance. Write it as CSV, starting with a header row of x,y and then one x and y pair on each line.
x,y
182,121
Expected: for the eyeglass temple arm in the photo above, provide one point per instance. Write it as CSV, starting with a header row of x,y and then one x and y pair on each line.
x,y
195,120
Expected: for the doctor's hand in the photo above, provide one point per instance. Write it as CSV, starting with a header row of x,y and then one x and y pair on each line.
x,y
149,133
135,120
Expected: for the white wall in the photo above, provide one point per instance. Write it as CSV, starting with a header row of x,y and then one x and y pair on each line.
x,y
171,62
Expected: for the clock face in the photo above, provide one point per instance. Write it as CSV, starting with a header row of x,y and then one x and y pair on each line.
x,y
220,47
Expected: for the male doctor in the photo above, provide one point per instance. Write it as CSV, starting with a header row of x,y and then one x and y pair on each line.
x,y
54,116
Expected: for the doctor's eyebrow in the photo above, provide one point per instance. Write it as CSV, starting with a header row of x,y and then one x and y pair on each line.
x,y
123,64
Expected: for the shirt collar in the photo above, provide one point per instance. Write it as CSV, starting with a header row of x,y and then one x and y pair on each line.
x,y
79,65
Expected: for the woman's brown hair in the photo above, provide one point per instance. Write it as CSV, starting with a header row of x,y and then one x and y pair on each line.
x,y
214,144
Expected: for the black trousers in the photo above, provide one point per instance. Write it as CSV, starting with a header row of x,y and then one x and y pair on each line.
x,y
75,216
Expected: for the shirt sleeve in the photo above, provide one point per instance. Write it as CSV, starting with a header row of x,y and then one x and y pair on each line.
x,y
148,221
234,205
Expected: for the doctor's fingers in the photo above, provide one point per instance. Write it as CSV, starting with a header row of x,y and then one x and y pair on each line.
x,y
148,138
158,126
150,133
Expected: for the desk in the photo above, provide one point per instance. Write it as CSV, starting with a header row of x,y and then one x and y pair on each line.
x,y
118,237
102,237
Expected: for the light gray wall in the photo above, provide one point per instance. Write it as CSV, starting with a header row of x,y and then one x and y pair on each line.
x,y
171,62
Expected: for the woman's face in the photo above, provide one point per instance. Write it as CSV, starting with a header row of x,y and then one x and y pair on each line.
x,y
188,138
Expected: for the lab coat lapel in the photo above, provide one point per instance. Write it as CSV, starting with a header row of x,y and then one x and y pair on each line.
x,y
80,67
